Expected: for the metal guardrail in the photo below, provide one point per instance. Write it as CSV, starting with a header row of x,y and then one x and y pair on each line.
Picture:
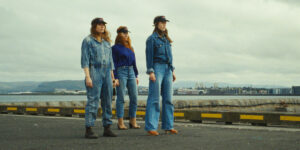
x,y
255,118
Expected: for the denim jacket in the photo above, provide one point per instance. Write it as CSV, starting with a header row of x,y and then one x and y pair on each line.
x,y
158,50
95,53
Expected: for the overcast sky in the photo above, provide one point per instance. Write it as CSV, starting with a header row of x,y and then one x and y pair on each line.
x,y
233,41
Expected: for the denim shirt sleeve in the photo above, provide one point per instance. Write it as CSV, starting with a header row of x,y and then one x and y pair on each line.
x,y
111,60
135,68
85,54
115,59
149,55
172,65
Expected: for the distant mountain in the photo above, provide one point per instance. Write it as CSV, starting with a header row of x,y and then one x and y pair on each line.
x,y
65,84
8,87
29,86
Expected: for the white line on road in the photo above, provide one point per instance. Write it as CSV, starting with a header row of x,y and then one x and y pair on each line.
x,y
184,124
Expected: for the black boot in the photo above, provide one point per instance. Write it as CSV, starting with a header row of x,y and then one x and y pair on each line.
x,y
89,134
107,132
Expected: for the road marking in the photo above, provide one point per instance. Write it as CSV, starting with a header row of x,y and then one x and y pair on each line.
x,y
79,111
53,110
178,114
141,113
251,117
187,125
12,108
209,115
31,109
113,112
290,118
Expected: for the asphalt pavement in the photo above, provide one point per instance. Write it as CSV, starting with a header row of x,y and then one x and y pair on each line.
x,y
18,132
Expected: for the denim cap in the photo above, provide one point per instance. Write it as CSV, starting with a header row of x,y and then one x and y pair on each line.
x,y
123,30
98,21
160,19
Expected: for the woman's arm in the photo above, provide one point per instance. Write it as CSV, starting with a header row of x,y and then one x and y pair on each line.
x,y
88,80
85,55
115,59
136,72
149,55
149,58
85,62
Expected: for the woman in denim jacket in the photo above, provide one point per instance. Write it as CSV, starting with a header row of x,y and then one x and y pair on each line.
x,y
126,74
98,66
159,60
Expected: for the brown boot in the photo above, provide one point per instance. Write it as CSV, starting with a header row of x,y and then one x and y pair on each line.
x,y
172,131
153,133
107,132
89,134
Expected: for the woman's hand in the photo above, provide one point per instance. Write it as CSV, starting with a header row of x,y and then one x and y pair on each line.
x,y
152,77
137,81
88,82
174,77
117,82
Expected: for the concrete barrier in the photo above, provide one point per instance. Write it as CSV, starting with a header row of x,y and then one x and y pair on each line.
x,y
254,111
216,105
258,118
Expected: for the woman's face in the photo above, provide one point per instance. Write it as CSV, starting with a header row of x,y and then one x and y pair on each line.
x,y
100,28
162,26
125,35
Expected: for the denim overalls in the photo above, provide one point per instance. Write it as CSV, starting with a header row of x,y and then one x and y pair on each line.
x,y
159,59
98,57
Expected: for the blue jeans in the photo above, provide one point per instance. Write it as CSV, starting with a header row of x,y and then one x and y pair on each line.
x,y
163,86
126,79
102,87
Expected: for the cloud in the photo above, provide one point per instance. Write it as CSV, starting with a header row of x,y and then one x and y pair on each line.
x,y
246,42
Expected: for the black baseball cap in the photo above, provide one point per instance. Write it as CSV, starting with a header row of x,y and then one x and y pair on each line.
x,y
123,30
98,21
160,19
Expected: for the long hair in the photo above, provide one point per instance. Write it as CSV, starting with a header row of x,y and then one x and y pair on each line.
x,y
105,35
121,40
162,33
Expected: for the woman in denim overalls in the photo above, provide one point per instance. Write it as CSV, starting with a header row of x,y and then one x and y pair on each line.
x,y
97,62
126,74
159,60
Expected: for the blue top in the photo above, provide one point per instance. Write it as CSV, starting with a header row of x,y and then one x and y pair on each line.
x,y
158,50
95,53
123,56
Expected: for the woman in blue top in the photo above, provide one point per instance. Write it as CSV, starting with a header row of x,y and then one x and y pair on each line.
x,y
126,74
159,60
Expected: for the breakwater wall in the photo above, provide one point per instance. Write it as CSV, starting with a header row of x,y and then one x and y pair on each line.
x,y
254,111
250,105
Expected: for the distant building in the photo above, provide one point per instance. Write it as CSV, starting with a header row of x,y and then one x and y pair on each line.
x,y
263,91
143,91
65,91
215,92
296,90
281,91
188,92
285,91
